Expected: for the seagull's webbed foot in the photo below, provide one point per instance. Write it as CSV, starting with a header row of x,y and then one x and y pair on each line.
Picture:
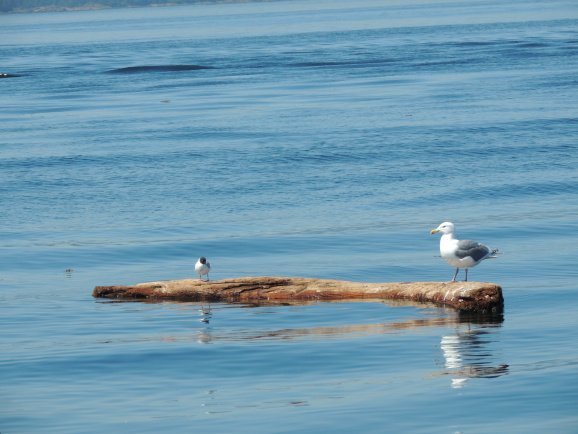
x,y
454,279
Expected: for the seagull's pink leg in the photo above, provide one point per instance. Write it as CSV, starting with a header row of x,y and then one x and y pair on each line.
x,y
454,279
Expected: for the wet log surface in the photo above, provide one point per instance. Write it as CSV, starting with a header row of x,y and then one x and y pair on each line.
x,y
465,296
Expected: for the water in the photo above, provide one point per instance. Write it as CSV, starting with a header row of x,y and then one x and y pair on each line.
x,y
299,138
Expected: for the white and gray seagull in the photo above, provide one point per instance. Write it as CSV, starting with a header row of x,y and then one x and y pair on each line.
x,y
203,267
461,253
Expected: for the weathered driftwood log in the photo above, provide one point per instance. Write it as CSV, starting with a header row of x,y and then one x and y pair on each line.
x,y
466,296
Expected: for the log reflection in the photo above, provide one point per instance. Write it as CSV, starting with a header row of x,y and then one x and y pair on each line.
x,y
467,340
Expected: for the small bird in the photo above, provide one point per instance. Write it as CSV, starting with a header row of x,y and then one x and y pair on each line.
x,y
202,267
461,253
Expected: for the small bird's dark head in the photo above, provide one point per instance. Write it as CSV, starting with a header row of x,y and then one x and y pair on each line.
x,y
203,260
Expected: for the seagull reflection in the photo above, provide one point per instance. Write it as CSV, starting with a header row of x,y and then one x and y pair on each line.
x,y
205,313
204,337
468,355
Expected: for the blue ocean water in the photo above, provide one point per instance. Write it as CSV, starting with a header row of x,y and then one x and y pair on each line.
x,y
293,138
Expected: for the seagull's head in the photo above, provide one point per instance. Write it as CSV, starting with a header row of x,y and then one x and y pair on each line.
x,y
202,260
444,228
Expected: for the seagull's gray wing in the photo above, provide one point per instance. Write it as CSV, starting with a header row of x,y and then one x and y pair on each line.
x,y
477,251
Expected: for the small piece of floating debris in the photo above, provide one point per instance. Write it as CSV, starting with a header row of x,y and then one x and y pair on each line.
x,y
465,296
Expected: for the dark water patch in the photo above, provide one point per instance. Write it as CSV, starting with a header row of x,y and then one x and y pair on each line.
x,y
530,49
158,68
347,63
4,75
529,189
547,364
490,192
97,160
343,63
199,82
533,45
313,156
45,162
449,62
475,43
314,64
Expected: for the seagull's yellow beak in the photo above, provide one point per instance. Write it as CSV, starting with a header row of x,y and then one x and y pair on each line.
x,y
435,231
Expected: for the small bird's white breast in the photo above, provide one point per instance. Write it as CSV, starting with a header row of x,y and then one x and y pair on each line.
x,y
201,268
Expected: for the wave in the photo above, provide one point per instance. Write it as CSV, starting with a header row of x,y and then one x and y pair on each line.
x,y
158,68
313,64
344,63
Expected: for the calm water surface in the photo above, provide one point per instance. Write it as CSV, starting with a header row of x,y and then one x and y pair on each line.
x,y
298,138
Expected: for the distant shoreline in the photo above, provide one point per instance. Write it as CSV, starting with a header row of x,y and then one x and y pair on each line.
x,y
97,6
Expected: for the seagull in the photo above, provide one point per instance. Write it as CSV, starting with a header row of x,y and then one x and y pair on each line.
x,y
461,253
202,267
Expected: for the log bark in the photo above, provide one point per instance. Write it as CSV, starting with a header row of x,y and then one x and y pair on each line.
x,y
465,296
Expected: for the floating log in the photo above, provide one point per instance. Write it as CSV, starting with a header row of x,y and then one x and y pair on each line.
x,y
465,296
